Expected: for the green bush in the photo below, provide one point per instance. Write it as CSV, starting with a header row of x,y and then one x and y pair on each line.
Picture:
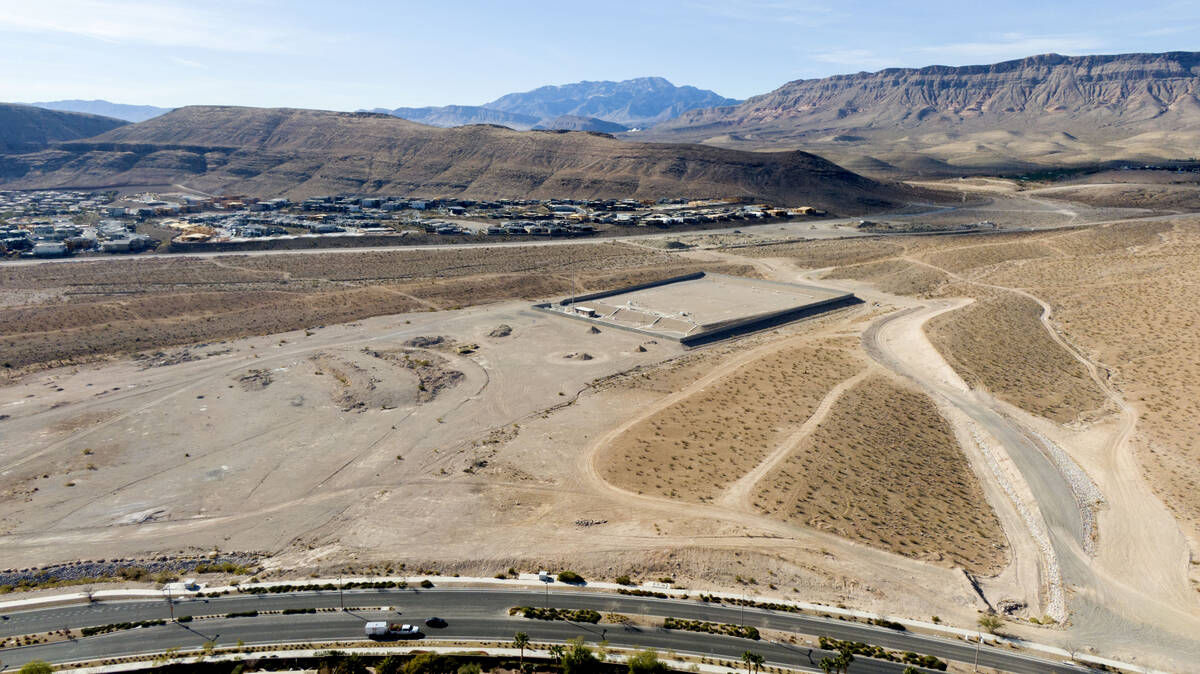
x,y
36,667
429,663
570,577
579,659
624,580
646,662
389,665
582,615
743,631
427,583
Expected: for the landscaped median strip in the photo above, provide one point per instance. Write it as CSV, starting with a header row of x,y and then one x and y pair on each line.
x,y
311,650
653,590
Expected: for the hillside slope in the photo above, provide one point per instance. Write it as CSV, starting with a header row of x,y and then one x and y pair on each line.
x,y
305,152
1047,110
461,115
25,128
129,113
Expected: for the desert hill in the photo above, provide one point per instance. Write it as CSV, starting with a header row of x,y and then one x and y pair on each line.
x,y
24,128
462,115
639,102
577,123
306,152
1042,110
129,113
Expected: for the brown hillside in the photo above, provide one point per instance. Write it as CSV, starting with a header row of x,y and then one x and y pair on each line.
x,y
24,128
306,152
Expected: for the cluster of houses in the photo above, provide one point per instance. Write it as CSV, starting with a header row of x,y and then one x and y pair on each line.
x,y
46,223
63,237
18,204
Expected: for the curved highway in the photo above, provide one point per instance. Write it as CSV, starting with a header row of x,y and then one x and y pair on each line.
x,y
472,614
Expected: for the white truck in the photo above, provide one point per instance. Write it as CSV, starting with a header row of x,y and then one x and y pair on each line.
x,y
380,629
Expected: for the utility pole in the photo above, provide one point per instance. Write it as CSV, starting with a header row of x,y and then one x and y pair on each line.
x,y
977,643
341,601
170,602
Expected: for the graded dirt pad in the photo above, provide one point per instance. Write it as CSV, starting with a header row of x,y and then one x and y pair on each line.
x,y
885,469
698,307
998,343
694,449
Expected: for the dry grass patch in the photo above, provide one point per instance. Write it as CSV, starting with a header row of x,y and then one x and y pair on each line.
x,y
1136,312
694,449
885,469
137,304
999,343
828,253
900,277
963,259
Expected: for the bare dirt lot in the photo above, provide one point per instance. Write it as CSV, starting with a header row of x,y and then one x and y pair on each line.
x,y
1018,405
69,312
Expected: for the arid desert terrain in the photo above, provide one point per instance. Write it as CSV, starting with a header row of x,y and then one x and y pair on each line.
x,y
1008,419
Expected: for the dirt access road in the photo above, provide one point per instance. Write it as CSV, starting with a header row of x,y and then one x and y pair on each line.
x,y
1121,582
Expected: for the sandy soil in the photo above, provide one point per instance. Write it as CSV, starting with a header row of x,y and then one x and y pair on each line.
x,y
351,445
1100,297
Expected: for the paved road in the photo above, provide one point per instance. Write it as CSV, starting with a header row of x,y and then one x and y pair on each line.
x,y
472,613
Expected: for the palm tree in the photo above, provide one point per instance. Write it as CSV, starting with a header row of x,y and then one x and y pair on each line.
x,y
557,651
747,657
521,641
757,660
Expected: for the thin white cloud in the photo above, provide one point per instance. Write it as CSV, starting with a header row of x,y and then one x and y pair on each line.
x,y
187,62
856,59
1011,46
158,23
808,13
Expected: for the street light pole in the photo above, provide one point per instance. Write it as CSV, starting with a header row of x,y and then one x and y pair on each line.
x,y
341,601
977,643
170,602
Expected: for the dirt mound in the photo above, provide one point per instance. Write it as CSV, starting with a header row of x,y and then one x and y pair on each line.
x,y
425,342
361,383
254,380
432,371
502,330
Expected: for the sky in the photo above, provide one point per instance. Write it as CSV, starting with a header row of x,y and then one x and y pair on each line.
x,y
349,54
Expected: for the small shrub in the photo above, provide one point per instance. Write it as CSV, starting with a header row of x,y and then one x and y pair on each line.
x,y
570,577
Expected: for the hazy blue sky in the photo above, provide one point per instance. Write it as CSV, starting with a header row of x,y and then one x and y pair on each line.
x,y
345,55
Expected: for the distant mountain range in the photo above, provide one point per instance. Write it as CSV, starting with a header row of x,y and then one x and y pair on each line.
x,y
25,128
636,103
300,153
1038,111
129,113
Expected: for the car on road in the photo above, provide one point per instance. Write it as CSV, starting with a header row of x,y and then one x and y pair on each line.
x,y
435,622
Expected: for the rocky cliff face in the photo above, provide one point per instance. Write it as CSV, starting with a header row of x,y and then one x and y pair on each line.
x,y
1042,109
